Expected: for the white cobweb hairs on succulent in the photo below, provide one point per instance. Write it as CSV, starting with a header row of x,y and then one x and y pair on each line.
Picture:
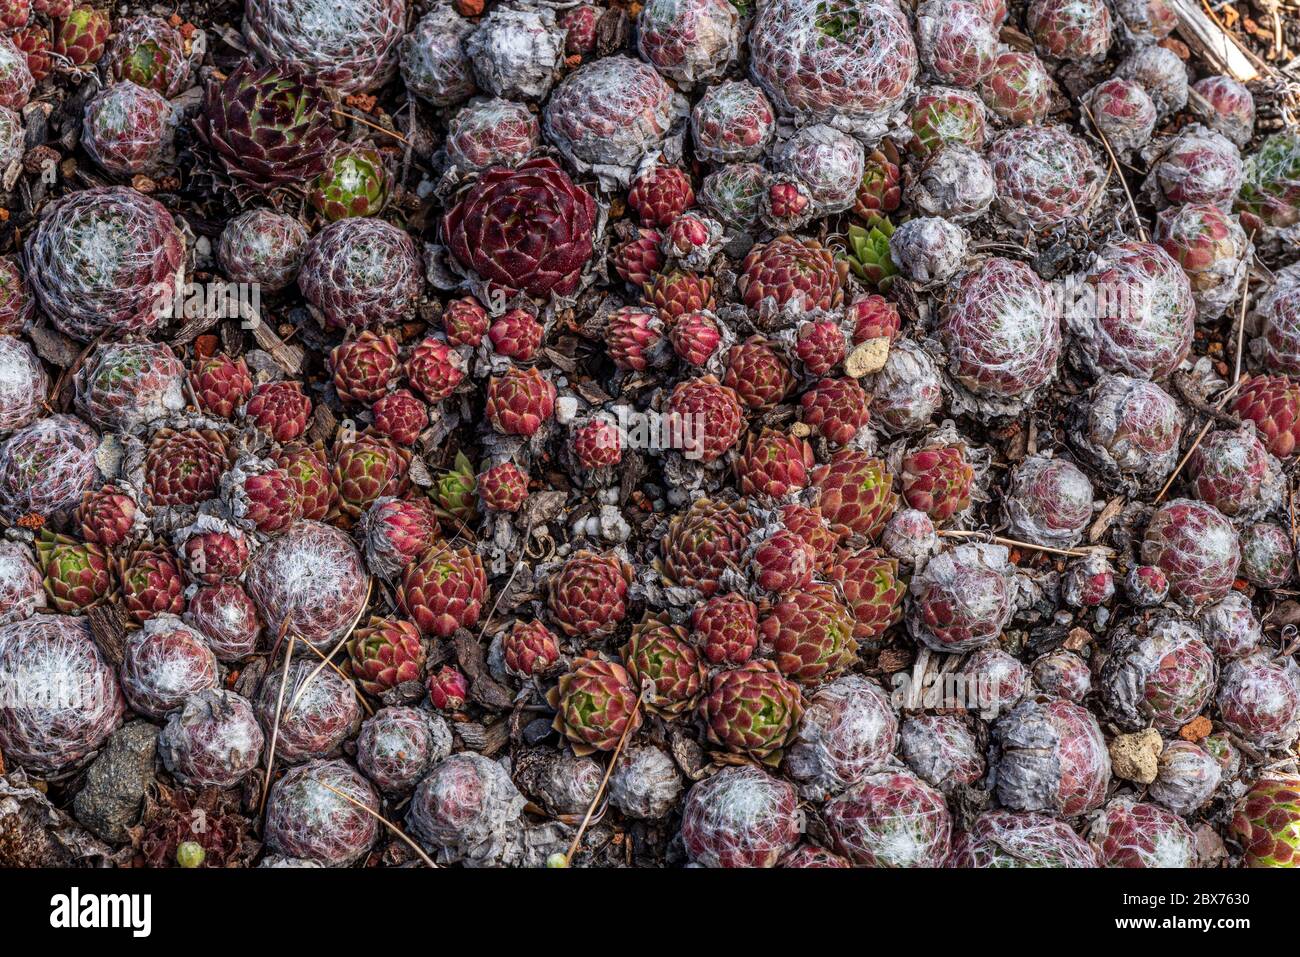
x,y
1033,742
262,246
22,593
1229,626
951,31
307,819
1042,488
361,270
1197,159
433,60
929,250
1128,430
849,63
23,384
12,138
940,750
350,44
1045,175
611,115
741,811
849,726
66,448
128,129
728,111
907,822
1265,687
951,572
1002,331
828,161
164,663
1277,322
59,699
212,739
956,183
1024,837
1161,73
106,258
398,745
1168,641
907,391
1216,286
689,41
124,386
477,135
1186,778
466,809
646,783
517,51
318,713
312,577
1137,316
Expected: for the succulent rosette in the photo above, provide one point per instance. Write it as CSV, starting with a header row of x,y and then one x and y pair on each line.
x,y
847,729
1259,700
361,272
351,46
149,52
212,740
315,812
309,581
386,653
1163,676
487,133
1267,823
128,129
609,114
125,386
41,725
1051,757
443,590
850,62
588,594
1045,177
1126,833
104,260
1009,839
318,710
47,466
740,817
24,384
1129,429
963,598
356,181
752,710
665,665
1269,197
397,745
164,663
528,228
890,819
1213,250
596,705
1197,549
268,127
689,41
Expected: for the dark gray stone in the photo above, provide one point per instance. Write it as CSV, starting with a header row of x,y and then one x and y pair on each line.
x,y
116,782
